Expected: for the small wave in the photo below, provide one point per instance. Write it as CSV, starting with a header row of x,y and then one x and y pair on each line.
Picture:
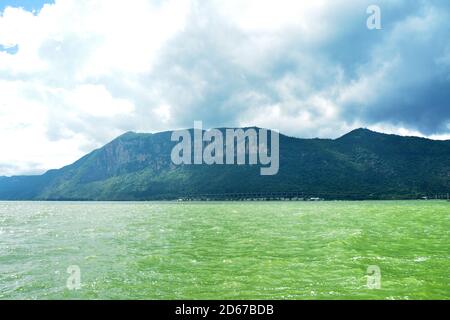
x,y
420,259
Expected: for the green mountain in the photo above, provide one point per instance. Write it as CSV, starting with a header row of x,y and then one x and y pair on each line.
x,y
360,165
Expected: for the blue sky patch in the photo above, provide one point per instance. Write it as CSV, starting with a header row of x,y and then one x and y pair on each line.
x,y
9,49
29,5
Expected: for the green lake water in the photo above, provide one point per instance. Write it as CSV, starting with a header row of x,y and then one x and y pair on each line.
x,y
225,250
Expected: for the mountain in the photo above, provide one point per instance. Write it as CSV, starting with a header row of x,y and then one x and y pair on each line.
x,y
360,165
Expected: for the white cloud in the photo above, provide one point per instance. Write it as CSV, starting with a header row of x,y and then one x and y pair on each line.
x,y
89,70
55,100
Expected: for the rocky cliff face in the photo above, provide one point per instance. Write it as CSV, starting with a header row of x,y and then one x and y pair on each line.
x,y
360,165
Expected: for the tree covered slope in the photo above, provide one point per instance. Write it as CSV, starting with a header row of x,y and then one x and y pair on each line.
x,y
360,165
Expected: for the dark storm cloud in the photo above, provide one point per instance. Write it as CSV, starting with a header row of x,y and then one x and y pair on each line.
x,y
397,75
415,88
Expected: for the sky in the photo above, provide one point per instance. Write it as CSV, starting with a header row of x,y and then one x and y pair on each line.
x,y
75,74
29,5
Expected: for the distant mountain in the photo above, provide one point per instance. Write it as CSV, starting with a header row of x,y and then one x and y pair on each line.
x,y
360,165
